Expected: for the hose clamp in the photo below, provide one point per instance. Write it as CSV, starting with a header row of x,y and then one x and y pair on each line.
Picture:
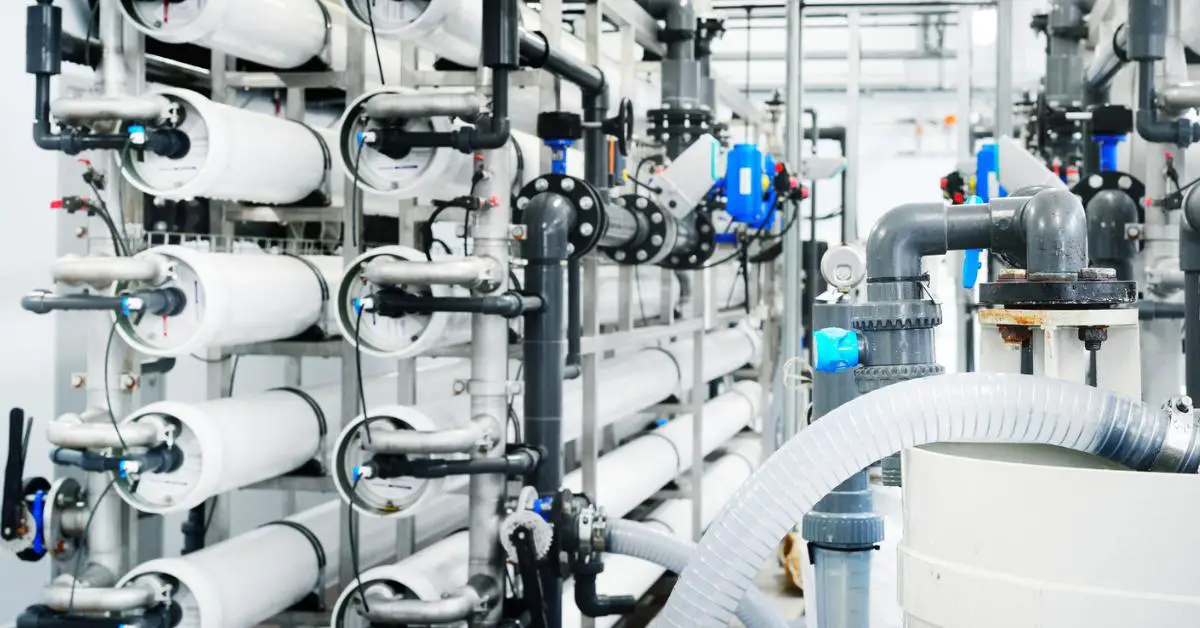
x,y
1178,444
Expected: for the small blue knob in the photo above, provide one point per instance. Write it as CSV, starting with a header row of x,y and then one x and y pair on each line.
x,y
835,349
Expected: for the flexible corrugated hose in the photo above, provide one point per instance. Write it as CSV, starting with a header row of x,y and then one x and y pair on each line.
x,y
975,407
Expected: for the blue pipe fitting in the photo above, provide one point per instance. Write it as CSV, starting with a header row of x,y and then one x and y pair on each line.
x,y
972,258
1108,151
558,155
137,135
836,349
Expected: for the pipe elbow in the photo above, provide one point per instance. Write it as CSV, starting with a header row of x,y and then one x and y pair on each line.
x,y
1056,230
551,216
902,236
1181,131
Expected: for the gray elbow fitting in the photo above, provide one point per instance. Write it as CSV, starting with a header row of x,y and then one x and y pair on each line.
x,y
1055,229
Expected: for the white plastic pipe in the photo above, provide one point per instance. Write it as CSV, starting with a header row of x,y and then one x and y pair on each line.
x,y
635,470
235,155
965,407
624,575
442,567
272,32
254,576
234,298
222,439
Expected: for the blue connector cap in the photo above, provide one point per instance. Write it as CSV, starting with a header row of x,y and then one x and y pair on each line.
x,y
543,506
137,134
123,469
835,349
38,512
356,474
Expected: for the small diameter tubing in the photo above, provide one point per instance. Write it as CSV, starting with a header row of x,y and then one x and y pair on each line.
x,y
970,407
645,541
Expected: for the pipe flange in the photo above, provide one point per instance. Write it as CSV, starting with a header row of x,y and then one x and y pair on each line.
x,y
1092,288
591,221
1093,184
64,495
870,378
697,255
672,122
653,246
842,531
894,315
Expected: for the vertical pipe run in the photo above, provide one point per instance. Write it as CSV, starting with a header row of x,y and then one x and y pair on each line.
x,y
489,376
793,241
814,261
1191,333
1004,64
853,122
548,219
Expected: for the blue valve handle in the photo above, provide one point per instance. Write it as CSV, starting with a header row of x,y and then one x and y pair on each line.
x,y
835,350
972,258
558,155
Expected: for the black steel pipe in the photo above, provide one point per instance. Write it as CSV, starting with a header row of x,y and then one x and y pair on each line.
x,y
536,53
548,219
394,304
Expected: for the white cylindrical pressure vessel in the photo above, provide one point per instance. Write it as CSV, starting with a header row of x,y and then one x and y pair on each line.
x,y
277,33
449,29
393,497
222,439
396,337
235,298
636,470
254,576
441,173
425,575
234,155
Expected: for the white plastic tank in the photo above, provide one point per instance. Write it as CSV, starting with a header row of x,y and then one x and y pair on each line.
x,y
1033,537
398,337
272,32
235,298
234,155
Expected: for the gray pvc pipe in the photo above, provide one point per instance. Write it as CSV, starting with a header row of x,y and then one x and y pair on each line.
x,y
644,541
1046,232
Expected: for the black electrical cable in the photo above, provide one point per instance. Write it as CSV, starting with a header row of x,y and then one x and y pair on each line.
x,y
351,532
233,373
87,35
112,332
512,413
103,205
637,284
362,390
375,40
354,205
208,519
79,555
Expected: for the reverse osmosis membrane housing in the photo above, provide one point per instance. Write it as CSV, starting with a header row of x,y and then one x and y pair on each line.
x,y
423,172
233,155
233,299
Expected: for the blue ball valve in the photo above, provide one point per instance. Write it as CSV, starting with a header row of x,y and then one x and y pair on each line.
x,y
835,349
